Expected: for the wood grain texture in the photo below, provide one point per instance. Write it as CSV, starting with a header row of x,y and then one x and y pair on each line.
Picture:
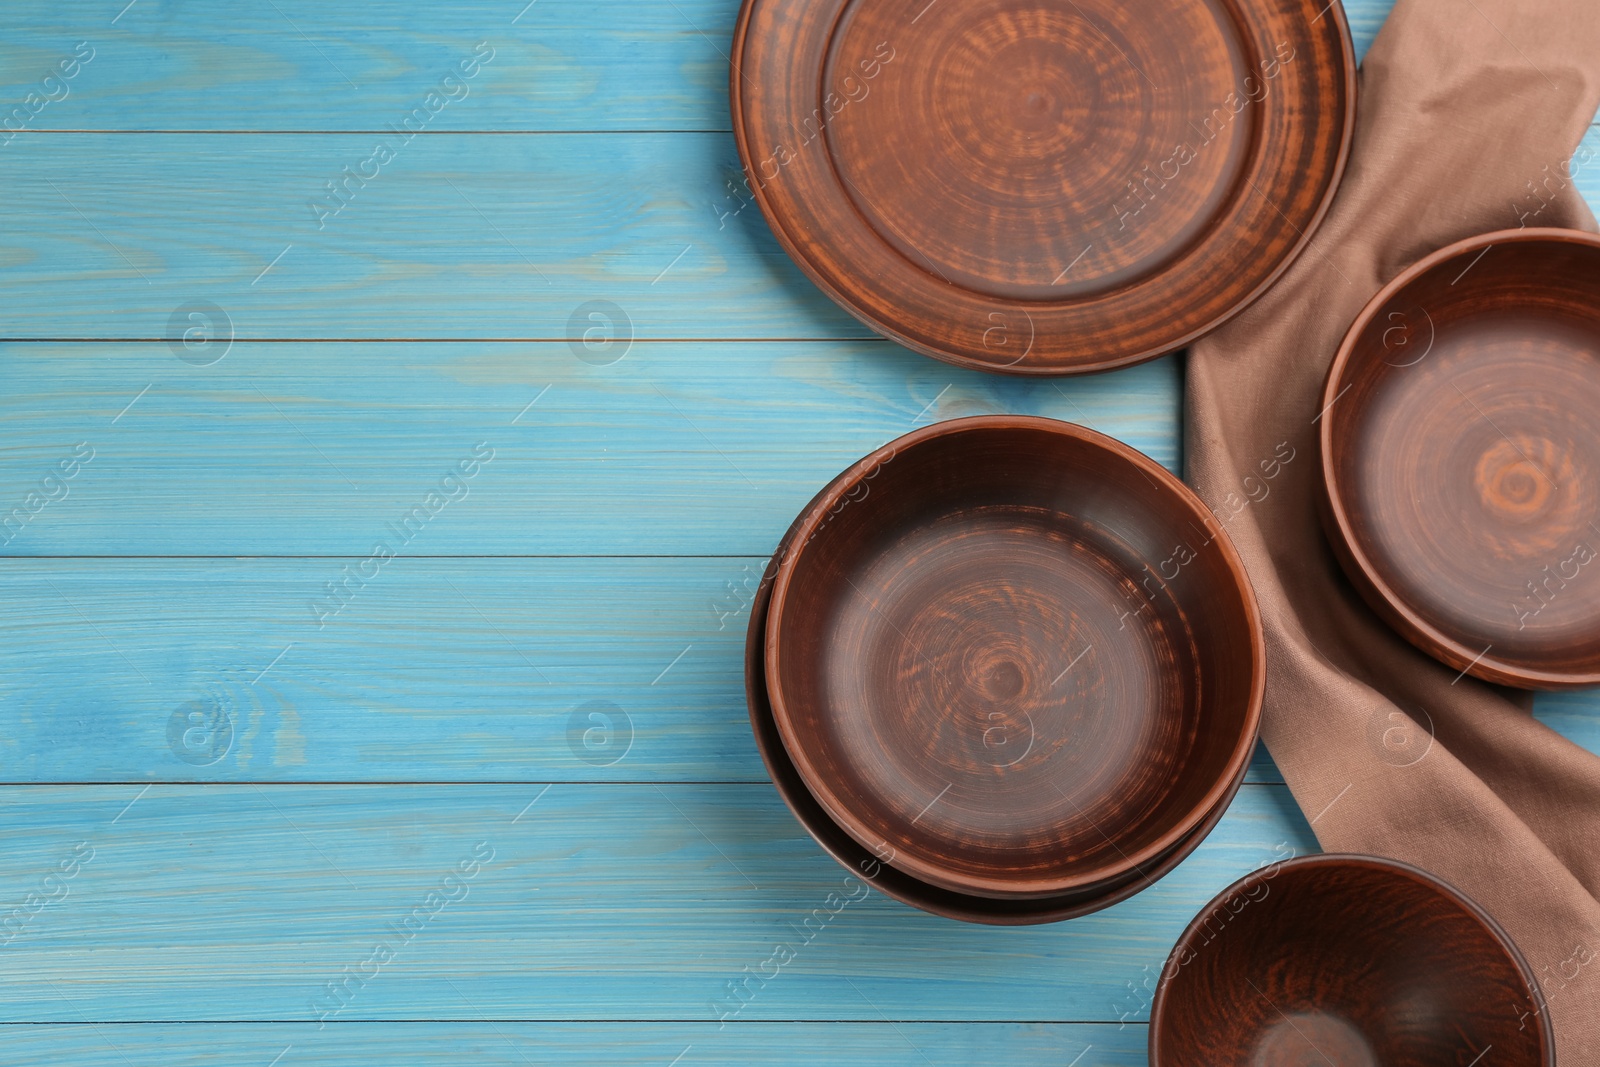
x,y
563,65
600,901
432,674
1460,460
299,65
457,236
410,681
522,239
214,907
311,449
1039,188
613,1044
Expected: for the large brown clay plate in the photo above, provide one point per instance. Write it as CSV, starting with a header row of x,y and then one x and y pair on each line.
x,y
1460,443
1043,186
1013,656
1346,961
889,880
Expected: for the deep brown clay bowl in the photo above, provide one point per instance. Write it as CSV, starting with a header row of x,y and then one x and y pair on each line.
x,y
1015,657
1346,961
1461,456
887,879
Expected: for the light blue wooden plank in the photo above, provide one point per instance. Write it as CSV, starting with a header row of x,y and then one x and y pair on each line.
x,y
1574,715
624,1044
620,1044
301,65
600,901
436,670
458,236
1584,168
299,449
1366,18
186,876
1262,769
439,670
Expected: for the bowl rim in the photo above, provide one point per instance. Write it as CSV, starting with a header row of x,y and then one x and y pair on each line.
x,y
1269,871
815,513
891,881
1349,70
1336,522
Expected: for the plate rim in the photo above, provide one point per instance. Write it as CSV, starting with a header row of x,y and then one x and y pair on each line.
x,y
1349,72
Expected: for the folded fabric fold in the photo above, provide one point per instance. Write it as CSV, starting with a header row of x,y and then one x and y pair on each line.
x,y
1469,117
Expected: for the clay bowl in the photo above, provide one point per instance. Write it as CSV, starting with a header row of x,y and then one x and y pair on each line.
x,y
1346,961
1461,457
887,879
1042,186
1013,657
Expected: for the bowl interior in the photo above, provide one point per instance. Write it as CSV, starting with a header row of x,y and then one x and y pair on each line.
x,y
1464,454
1344,961
1013,658
890,880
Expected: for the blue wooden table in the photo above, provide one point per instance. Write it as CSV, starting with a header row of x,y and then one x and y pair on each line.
x,y
397,403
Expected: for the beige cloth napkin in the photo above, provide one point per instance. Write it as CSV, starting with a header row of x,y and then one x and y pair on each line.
x,y
1463,104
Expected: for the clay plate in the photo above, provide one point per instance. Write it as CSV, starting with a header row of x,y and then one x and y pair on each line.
x,y
1013,656
1461,456
888,880
1346,961
1043,186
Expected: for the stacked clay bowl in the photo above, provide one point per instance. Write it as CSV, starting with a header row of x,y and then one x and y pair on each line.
x,y
1006,669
